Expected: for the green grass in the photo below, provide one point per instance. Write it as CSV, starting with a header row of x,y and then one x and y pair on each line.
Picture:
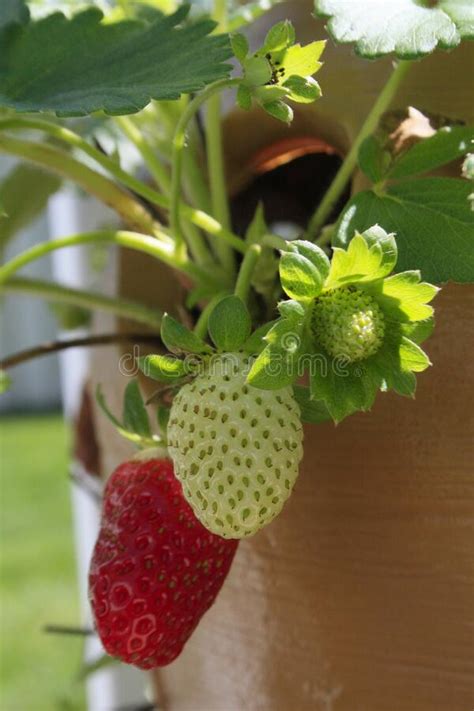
x,y
37,568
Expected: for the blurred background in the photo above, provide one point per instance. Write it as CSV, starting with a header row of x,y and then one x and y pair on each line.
x,y
38,569
49,515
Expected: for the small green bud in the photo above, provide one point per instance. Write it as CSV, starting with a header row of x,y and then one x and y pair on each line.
x,y
348,322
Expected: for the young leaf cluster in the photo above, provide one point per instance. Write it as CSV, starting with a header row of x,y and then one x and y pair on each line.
x,y
278,72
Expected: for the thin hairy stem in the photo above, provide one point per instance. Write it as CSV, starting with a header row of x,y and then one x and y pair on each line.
x,y
45,349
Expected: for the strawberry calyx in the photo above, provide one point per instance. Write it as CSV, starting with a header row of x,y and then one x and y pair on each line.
x,y
135,423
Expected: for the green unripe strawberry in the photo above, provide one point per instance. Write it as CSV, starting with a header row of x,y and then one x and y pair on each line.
x,y
236,449
348,322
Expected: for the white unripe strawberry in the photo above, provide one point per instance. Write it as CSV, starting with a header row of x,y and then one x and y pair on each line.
x,y
236,449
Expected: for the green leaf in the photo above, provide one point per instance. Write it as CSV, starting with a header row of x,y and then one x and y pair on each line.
x,y
257,71
279,110
312,411
344,388
395,371
368,257
409,28
117,67
240,46
279,37
230,324
163,368
315,254
244,97
446,145
264,279
121,429
291,310
163,416
373,159
135,416
412,357
432,220
277,365
419,331
24,194
13,11
376,235
256,343
178,339
300,279
303,61
303,90
404,296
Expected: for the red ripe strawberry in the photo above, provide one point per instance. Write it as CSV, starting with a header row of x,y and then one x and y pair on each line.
x,y
155,568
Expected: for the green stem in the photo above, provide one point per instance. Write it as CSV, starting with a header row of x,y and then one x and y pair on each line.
x,y
346,170
195,182
55,162
179,143
249,262
85,342
132,240
214,228
131,211
162,178
155,166
215,157
84,299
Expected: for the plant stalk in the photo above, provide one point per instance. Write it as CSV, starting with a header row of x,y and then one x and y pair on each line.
x,y
84,299
85,342
179,143
132,240
215,157
130,210
154,165
244,279
346,170
54,162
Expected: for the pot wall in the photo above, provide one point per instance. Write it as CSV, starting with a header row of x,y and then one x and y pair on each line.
x,y
359,596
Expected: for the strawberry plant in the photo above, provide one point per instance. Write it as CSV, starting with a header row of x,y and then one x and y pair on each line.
x,y
276,332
